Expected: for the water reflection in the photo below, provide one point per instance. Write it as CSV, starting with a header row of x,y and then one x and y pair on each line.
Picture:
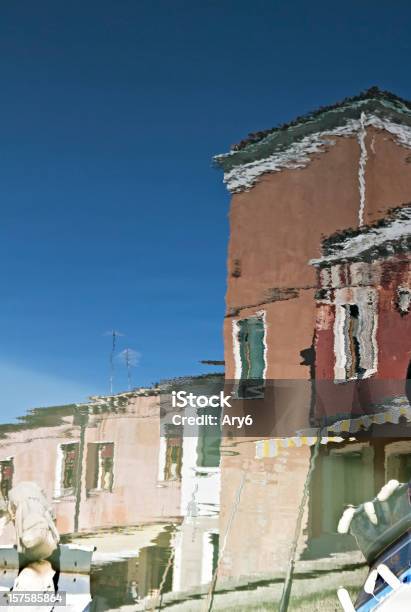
x,y
147,503
194,521
130,581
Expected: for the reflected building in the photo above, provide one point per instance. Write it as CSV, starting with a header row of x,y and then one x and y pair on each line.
x,y
196,542
337,168
340,169
97,462
320,322
362,323
362,365
148,502
361,389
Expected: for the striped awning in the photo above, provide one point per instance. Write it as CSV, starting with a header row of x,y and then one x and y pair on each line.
x,y
390,415
273,447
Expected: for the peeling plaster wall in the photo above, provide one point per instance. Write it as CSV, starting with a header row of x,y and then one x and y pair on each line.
x,y
374,285
394,330
389,344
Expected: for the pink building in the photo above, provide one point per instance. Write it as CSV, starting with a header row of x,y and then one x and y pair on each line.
x,y
98,463
119,484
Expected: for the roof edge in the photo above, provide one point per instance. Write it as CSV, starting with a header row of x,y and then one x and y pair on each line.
x,y
261,144
352,244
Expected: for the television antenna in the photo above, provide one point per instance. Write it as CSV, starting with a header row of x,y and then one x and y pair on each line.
x,y
114,334
130,358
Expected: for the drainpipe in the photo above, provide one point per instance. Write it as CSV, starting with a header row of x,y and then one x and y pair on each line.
x,y
83,419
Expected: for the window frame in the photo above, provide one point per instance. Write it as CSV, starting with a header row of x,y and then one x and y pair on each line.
x,y
367,315
59,490
97,447
239,378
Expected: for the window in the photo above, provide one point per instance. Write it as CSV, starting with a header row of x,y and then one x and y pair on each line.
x,y
209,441
352,339
67,469
399,467
347,479
170,452
100,463
398,461
174,454
250,356
342,476
403,301
355,343
6,477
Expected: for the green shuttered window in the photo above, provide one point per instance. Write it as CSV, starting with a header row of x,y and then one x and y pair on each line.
x,y
251,346
251,340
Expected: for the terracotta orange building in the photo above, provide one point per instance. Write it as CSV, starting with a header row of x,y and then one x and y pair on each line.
x,y
343,166
343,169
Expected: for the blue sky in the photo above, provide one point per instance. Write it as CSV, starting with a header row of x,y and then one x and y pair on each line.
x,y
111,212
